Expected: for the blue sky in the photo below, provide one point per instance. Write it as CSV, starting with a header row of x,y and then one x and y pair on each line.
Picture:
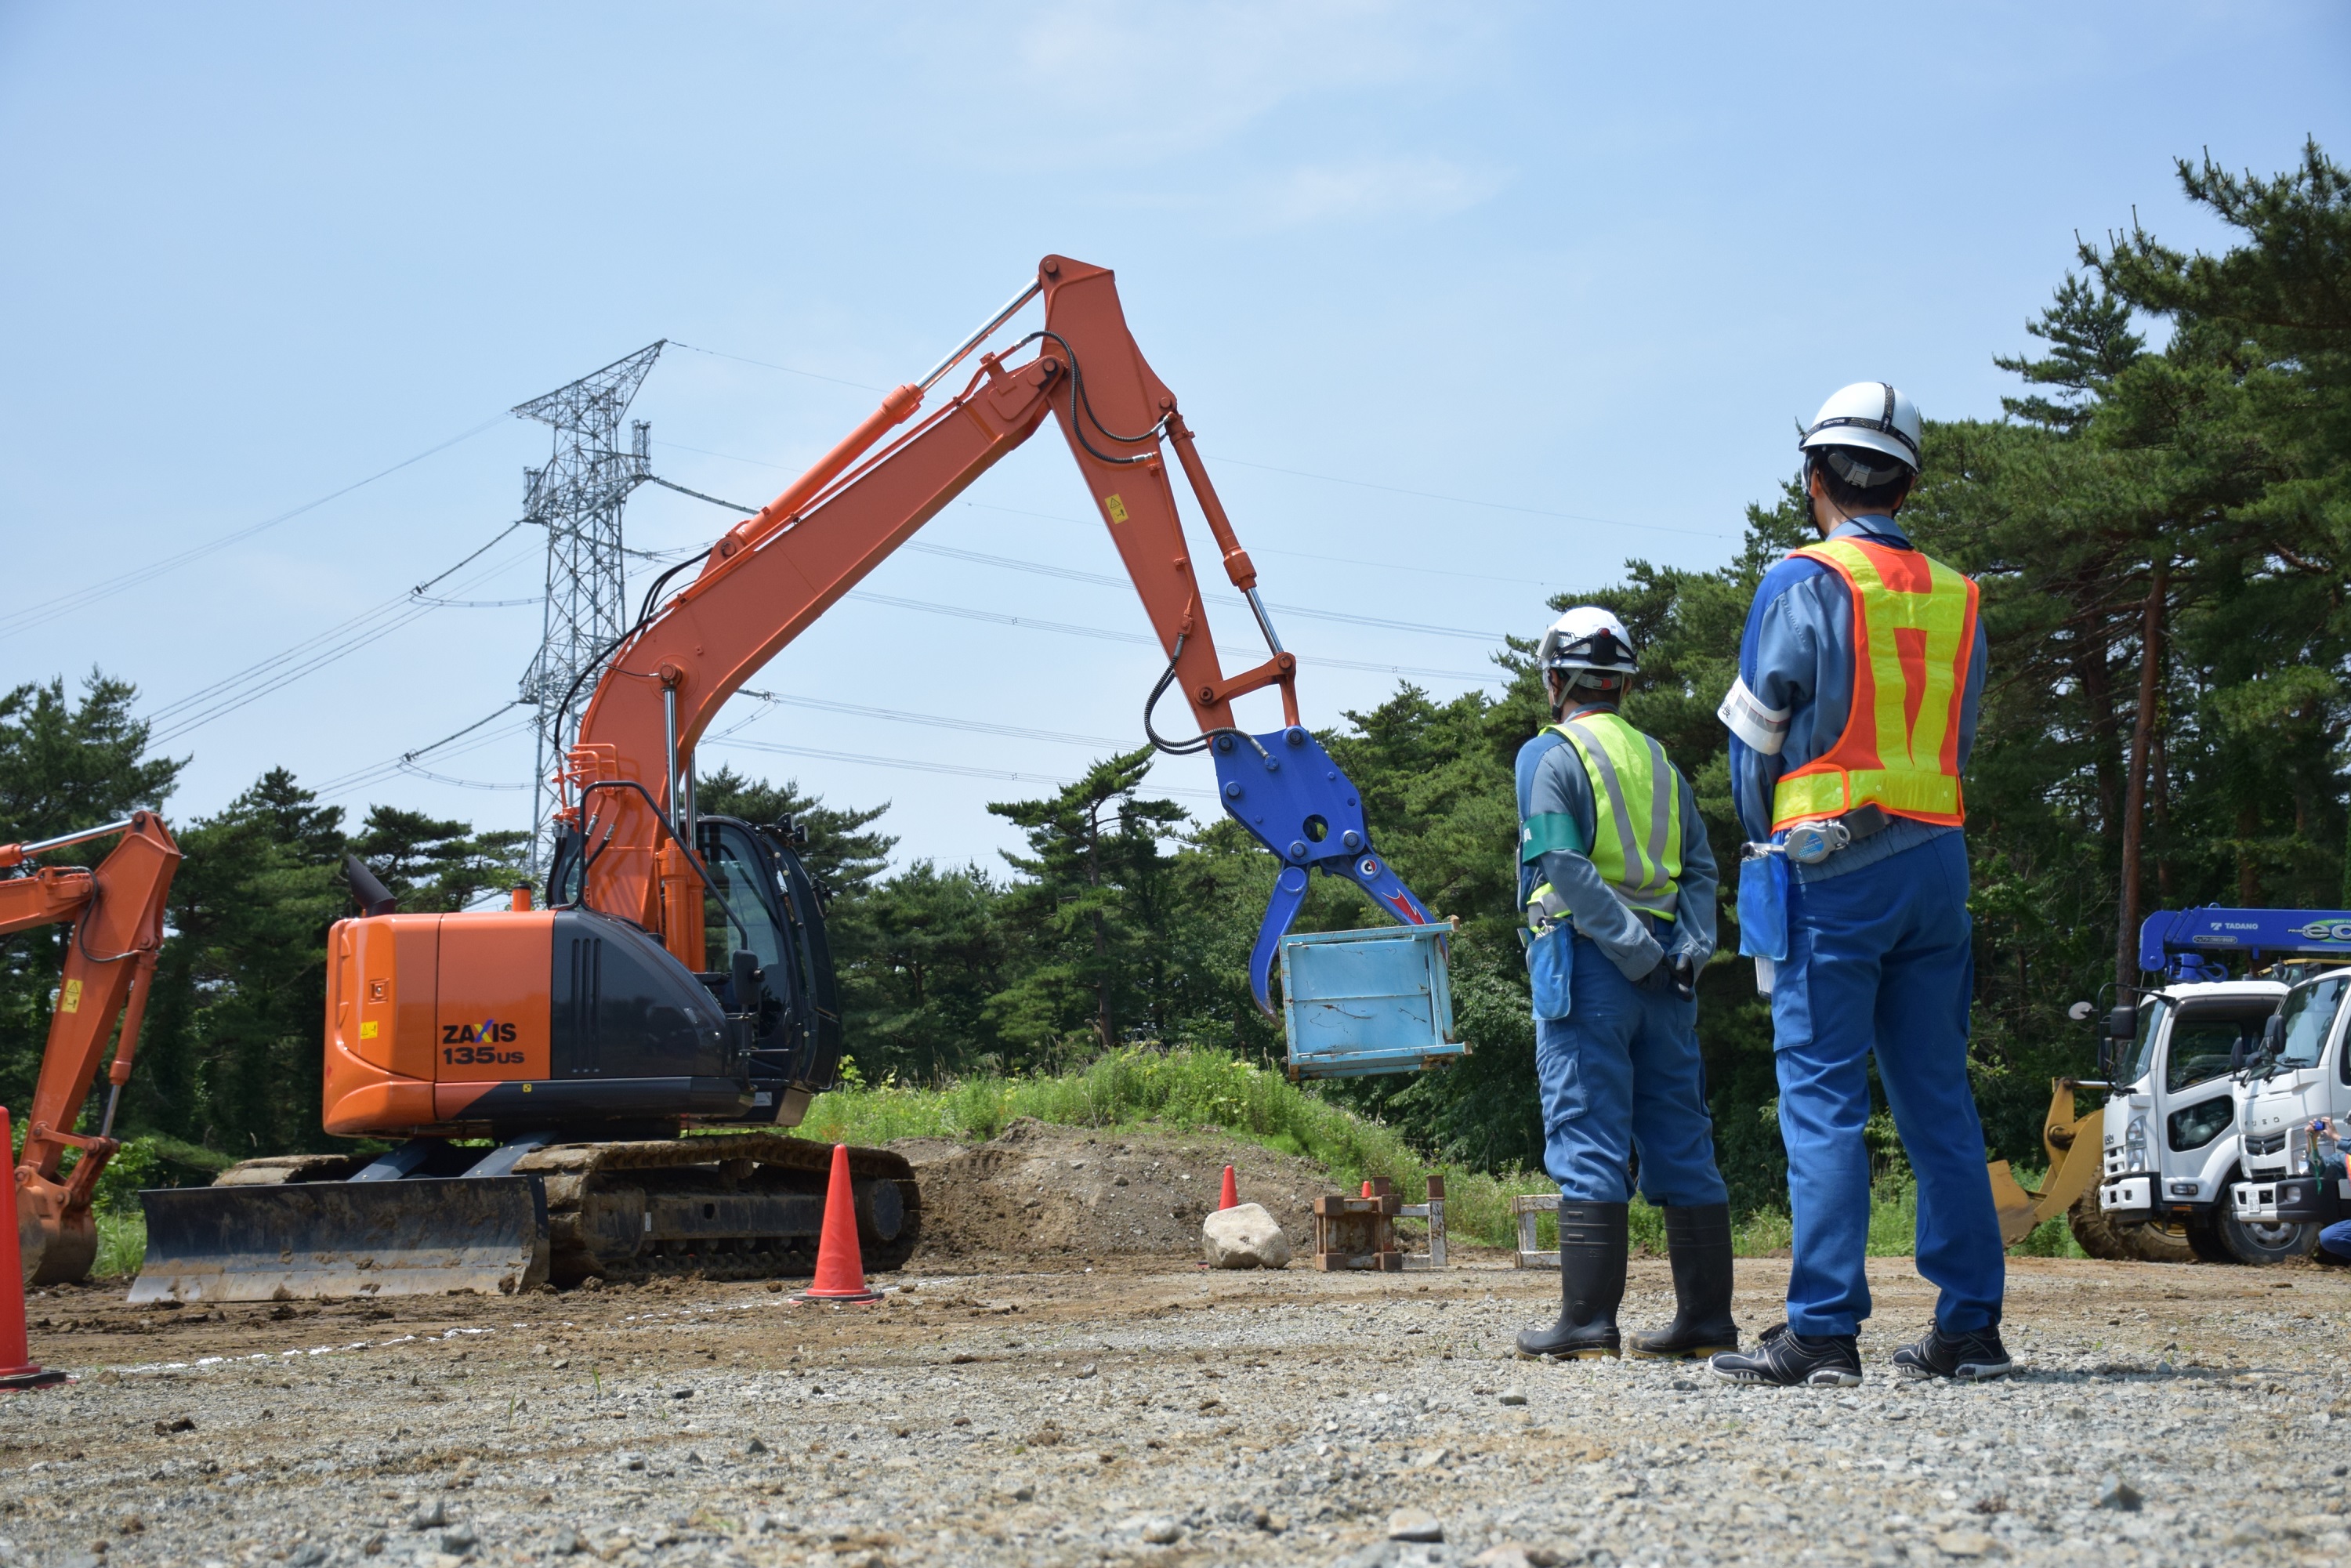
x,y
1466,305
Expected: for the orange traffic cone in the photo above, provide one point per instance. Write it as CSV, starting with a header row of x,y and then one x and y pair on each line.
x,y
17,1366
1367,1190
840,1266
1231,1198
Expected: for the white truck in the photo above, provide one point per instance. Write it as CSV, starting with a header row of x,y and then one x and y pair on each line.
x,y
2292,1092
2170,1129
2201,1107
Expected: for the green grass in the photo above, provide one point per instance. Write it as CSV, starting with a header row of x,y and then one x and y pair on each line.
x,y
121,1244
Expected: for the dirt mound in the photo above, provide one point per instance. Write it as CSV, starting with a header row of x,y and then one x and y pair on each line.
x,y
1039,1191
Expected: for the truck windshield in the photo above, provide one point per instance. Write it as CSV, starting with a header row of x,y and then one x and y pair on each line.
x,y
2139,1056
2309,1011
2204,1040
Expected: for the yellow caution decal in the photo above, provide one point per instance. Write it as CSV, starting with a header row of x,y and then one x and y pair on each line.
x,y
70,998
1115,507
367,1030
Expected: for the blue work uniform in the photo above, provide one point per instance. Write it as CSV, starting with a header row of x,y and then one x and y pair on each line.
x,y
1878,959
1616,1050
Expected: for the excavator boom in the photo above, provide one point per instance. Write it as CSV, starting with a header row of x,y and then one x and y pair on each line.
x,y
772,575
116,913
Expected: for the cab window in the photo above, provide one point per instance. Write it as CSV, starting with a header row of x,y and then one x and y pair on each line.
x,y
736,866
2207,1041
2309,1016
2138,1054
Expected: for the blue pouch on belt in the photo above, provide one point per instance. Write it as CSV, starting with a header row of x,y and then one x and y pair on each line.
x,y
1550,964
1763,907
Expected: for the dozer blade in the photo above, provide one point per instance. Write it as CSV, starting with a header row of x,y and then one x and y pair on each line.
x,y
332,1239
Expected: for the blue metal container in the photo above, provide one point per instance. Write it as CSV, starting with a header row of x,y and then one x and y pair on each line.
x,y
1359,1002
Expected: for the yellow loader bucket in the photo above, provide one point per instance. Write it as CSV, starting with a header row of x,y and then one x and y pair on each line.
x,y
2077,1150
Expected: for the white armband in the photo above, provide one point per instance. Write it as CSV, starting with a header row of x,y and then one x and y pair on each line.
x,y
1743,714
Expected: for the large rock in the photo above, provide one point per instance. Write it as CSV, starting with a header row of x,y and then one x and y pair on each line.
x,y
1244,1236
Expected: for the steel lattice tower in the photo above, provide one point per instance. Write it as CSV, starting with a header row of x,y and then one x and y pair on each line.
x,y
578,497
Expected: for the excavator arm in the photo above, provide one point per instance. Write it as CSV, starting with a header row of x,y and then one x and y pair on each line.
x,y
116,913
771,575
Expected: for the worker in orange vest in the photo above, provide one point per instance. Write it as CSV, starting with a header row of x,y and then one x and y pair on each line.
x,y
1851,723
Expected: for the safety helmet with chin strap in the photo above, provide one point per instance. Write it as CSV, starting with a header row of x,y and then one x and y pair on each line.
x,y
1587,648
1859,424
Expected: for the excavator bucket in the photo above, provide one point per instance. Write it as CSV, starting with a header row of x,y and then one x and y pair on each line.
x,y
332,1240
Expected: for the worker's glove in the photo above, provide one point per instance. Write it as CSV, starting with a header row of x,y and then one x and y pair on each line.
x,y
1684,974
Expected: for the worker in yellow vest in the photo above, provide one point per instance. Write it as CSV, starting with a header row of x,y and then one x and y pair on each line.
x,y
1617,882
1851,723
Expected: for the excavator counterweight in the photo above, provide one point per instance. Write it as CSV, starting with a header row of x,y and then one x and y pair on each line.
x,y
568,1046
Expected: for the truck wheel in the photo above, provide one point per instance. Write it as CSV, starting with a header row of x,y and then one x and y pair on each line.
x,y
2143,1243
2260,1243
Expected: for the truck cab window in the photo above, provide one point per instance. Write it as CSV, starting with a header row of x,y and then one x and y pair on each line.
x,y
2204,1041
2139,1054
2309,1018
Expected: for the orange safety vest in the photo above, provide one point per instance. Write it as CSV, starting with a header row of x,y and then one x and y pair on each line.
x,y
1913,635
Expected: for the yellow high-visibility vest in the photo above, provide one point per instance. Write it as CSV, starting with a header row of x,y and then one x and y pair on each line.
x,y
1636,802
1914,632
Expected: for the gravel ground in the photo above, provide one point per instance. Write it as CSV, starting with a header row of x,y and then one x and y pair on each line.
x,y
1149,1412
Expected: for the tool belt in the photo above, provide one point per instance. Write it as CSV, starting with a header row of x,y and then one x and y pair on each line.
x,y
1810,844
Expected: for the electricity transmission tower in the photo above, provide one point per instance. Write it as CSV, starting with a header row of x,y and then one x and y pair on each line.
x,y
577,497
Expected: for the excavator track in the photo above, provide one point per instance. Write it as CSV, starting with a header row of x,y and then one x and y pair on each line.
x,y
741,1206
737,1206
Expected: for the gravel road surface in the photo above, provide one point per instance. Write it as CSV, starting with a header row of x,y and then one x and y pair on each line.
x,y
1147,1412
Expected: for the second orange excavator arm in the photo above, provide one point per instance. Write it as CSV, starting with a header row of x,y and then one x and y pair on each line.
x,y
116,913
773,574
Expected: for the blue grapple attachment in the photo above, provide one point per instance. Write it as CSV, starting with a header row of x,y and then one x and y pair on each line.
x,y
1292,798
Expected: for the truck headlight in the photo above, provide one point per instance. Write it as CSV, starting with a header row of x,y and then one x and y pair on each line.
x,y
2135,1144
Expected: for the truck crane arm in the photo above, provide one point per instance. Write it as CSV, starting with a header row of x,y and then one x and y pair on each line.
x,y
772,575
116,911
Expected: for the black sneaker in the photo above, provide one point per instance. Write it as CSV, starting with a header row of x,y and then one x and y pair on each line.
x,y
1784,1359
1968,1357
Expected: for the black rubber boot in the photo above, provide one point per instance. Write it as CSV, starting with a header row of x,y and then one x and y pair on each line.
x,y
1698,1244
1592,1245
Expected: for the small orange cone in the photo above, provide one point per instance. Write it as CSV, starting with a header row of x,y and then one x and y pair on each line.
x,y
1367,1190
840,1266
1231,1198
17,1369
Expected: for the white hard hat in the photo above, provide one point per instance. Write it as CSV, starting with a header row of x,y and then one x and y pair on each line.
x,y
1587,638
1868,416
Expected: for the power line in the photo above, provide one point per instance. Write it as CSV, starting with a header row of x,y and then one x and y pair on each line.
x,y
927,720
1104,580
1415,568
1271,468
47,610
913,764
377,772
1100,634
305,657
768,365
1464,500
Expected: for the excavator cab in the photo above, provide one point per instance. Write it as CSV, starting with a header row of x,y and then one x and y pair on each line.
x,y
761,892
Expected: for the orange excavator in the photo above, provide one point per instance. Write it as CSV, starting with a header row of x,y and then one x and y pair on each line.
x,y
115,911
535,1066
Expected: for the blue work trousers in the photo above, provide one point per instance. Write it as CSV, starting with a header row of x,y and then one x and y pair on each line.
x,y
1620,1074
1879,959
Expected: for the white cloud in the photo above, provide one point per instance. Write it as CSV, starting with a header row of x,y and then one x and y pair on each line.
x,y
1372,188
1094,83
